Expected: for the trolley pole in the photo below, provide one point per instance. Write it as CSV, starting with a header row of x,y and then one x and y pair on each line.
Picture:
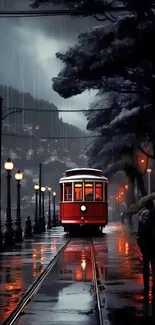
x,y
40,185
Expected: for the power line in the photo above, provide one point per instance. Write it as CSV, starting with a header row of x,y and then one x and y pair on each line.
x,y
58,12
48,138
60,110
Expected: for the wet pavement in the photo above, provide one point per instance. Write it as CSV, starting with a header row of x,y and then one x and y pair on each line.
x,y
20,267
66,296
120,268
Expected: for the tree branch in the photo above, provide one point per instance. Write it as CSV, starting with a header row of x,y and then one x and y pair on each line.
x,y
99,19
108,18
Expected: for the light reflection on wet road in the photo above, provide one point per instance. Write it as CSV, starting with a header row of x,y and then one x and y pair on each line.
x,y
66,295
121,273
22,266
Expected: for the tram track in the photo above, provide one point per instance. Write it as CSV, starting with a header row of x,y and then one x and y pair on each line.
x,y
34,288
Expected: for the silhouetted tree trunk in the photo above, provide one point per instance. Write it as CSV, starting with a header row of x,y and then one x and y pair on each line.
x,y
140,182
131,186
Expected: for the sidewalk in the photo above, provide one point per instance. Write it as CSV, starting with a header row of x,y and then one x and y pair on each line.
x,y
20,267
121,281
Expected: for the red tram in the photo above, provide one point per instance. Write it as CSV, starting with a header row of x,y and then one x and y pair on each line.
x,y
83,199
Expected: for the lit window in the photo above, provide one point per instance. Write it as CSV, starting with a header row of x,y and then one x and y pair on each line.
x,y
68,192
88,192
98,192
78,195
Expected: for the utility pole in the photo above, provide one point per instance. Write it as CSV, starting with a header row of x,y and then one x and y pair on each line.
x,y
40,185
1,236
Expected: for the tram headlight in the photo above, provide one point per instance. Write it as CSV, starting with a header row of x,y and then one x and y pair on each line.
x,y
83,208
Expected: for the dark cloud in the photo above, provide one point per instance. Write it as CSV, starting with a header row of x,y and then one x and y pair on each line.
x,y
27,56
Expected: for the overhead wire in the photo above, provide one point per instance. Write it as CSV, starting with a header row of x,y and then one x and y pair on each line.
x,y
60,110
56,137
51,111
58,12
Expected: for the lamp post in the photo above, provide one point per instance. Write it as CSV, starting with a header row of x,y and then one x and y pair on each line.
x,y
1,235
54,216
3,116
49,225
36,221
149,180
43,189
8,232
40,182
18,230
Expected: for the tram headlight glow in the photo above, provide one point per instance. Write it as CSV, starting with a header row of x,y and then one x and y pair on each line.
x,y
83,208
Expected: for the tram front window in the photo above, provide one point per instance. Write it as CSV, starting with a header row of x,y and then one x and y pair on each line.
x,y
98,192
88,192
78,189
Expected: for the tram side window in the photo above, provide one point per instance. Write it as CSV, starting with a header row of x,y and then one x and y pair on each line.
x,y
78,192
98,191
68,192
61,190
106,192
88,192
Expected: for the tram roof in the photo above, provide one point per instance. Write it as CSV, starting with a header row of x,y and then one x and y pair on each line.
x,y
81,178
84,169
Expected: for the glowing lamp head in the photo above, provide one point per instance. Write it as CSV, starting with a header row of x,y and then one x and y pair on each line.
x,y
18,176
8,165
83,264
83,208
49,189
43,188
149,170
36,187
54,193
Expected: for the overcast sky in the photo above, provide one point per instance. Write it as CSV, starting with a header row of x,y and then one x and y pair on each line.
x,y
27,56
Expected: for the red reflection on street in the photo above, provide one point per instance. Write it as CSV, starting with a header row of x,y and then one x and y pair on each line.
x,y
11,285
53,247
122,245
38,257
77,263
78,275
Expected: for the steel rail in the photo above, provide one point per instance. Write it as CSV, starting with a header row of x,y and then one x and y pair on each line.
x,y
33,288
95,280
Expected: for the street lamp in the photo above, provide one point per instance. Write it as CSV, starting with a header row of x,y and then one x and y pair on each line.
x,y
54,216
43,189
36,222
8,232
5,114
18,230
149,180
49,225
